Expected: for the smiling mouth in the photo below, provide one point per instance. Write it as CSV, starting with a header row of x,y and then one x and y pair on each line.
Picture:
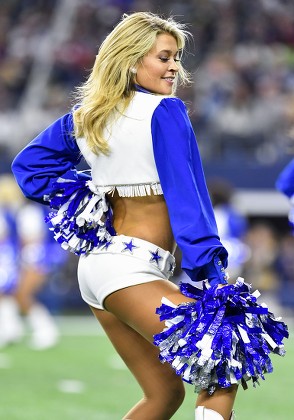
x,y
169,79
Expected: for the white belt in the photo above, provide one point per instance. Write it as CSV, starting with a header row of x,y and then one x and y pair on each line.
x,y
139,248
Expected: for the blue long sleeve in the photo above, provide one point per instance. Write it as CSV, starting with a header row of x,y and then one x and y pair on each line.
x,y
181,175
285,181
52,154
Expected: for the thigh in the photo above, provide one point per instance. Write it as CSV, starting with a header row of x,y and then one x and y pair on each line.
x,y
140,356
136,305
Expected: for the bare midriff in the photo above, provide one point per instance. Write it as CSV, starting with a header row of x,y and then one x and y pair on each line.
x,y
143,217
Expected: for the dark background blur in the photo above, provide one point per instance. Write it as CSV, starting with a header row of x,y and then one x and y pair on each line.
x,y
241,105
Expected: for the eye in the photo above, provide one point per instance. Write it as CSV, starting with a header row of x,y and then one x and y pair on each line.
x,y
166,59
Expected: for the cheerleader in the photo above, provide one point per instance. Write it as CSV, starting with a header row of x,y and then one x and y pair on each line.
x,y
146,194
285,184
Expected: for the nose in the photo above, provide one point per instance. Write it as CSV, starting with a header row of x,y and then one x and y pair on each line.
x,y
173,65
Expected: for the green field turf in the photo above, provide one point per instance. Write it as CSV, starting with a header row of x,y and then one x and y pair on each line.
x,y
83,379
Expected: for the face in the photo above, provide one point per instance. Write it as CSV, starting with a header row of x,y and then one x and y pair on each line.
x,y
159,68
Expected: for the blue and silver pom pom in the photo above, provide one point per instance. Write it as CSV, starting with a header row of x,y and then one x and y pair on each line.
x,y
223,338
83,218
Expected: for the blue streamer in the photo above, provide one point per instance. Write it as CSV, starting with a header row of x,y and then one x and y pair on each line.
x,y
223,338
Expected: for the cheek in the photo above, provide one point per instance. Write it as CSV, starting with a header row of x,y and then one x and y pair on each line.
x,y
148,73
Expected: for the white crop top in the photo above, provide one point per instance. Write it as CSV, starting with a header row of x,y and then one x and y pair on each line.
x,y
129,137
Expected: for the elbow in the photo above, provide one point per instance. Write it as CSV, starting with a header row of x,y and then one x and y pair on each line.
x,y
28,187
33,195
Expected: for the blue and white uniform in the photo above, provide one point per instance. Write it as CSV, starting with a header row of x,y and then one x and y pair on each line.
x,y
285,184
152,150
9,252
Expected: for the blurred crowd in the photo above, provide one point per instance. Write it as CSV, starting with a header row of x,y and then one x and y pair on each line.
x,y
241,59
241,105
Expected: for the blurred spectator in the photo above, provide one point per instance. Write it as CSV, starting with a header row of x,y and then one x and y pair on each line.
x,y
260,269
285,184
232,225
27,258
37,260
285,270
11,328
285,260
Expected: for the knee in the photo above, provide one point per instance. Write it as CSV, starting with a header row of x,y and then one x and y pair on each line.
x,y
172,395
177,396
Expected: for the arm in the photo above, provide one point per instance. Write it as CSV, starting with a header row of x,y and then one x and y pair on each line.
x,y
285,181
53,153
181,175
285,184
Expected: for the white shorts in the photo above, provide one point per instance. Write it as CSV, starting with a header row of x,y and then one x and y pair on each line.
x,y
122,262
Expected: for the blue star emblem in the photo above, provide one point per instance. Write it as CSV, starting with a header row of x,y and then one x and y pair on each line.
x,y
129,246
155,257
172,266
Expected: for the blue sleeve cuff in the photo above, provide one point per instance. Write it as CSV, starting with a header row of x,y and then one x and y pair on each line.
x,y
214,272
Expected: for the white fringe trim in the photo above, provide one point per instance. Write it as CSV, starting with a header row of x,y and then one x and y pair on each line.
x,y
133,190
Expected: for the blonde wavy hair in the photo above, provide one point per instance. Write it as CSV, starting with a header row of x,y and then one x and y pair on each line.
x,y
110,85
